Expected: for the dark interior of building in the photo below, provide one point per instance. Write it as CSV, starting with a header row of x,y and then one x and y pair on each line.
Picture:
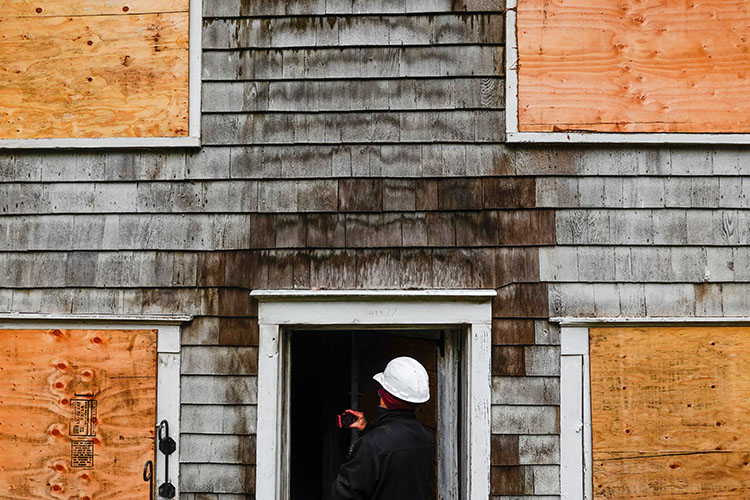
x,y
332,371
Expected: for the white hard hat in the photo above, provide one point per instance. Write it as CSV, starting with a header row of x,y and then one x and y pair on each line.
x,y
406,379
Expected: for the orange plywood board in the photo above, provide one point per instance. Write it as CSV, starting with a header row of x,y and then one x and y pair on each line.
x,y
633,66
77,413
42,8
87,70
670,409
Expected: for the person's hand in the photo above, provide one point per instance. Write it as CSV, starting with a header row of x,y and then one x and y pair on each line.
x,y
361,421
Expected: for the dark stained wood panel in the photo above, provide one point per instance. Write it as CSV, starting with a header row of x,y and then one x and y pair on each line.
x,y
77,413
669,412
504,449
634,66
510,480
512,331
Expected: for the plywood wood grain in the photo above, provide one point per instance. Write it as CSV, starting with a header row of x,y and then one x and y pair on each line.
x,y
43,8
670,409
68,393
634,65
699,476
93,75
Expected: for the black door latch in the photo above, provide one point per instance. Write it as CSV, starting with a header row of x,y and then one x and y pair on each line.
x,y
167,446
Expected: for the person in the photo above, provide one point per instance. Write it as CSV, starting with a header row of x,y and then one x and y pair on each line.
x,y
393,459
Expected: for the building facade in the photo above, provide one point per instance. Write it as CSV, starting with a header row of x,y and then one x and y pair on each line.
x,y
349,145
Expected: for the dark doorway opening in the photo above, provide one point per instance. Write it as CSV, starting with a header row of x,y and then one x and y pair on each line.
x,y
332,371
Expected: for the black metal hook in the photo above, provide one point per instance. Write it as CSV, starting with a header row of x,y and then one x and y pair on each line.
x,y
148,476
148,471
163,425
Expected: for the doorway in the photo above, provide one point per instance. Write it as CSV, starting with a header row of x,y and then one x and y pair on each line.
x,y
463,385
331,370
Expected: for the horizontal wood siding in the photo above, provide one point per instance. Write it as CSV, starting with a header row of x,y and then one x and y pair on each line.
x,y
267,196
346,145
284,32
358,144
234,8
728,165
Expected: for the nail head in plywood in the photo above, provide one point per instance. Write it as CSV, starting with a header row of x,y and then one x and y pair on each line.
x,y
77,413
670,408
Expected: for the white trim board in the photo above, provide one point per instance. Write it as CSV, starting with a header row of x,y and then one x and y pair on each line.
x,y
168,368
576,480
513,135
192,140
195,69
682,320
101,143
122,318
463,295
280,311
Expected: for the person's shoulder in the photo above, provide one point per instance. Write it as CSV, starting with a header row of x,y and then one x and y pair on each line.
x,y
373,435
396,435
366,444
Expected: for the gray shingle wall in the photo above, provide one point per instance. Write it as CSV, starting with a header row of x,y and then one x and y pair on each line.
x,y
359,144
653,232
347,144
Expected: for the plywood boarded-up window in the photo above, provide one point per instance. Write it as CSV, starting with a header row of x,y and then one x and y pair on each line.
x,y
92,69
633,66
670,409
77,413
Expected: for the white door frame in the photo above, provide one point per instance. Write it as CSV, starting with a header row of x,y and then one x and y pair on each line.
x,y
280,310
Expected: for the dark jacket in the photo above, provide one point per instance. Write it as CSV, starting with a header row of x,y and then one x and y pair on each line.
x,y
391,461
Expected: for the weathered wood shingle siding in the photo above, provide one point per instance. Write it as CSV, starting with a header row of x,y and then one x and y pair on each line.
x,y
346,145
353,31
272,8
629,164
359,144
